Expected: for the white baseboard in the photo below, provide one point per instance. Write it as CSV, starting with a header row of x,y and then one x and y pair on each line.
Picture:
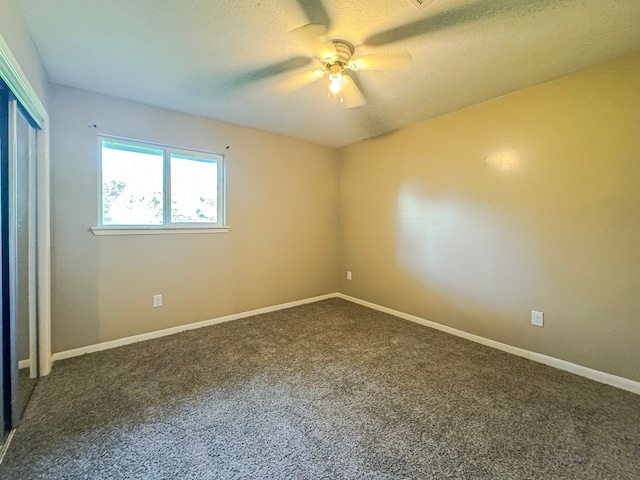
x,y
24,364
182,328
602,377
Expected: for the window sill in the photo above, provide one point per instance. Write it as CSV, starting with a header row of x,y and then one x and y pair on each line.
x,y
160,230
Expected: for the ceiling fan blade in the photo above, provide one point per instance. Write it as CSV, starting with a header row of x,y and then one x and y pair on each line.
x,y
315,12
464,14
312,36
351,94
413,29
252,76
380,62
298,80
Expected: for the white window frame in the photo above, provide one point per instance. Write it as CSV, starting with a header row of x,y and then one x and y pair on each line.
x,y
167,226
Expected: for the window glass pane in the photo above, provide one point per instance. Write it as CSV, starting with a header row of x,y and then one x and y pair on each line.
x,y
194,186
132,184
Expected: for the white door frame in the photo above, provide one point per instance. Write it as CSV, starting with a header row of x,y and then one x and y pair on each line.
x,y
20,86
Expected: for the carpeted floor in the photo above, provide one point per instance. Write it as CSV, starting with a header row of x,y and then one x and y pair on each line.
x,y
329,390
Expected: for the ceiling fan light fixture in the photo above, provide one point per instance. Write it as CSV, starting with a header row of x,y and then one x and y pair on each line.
x,y
341,87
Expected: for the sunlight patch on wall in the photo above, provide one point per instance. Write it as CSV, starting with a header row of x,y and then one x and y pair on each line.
x,y
464,249
505,161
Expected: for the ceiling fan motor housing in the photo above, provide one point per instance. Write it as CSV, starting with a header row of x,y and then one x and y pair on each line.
x,y
344,51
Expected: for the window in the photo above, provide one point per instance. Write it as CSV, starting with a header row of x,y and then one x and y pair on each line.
x,y
156,188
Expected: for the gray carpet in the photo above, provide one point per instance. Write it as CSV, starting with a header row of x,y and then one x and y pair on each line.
x,y
329,390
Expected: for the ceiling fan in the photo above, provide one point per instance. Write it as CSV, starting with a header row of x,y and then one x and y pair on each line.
x,y
335,57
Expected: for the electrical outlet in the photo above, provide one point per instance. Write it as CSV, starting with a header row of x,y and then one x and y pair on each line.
x,y
537,318
348,275
157,300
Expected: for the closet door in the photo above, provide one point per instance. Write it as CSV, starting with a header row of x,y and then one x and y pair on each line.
x,y
21,244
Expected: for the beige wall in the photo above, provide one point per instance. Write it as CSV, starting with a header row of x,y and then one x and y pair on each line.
x,y
529,201
282,209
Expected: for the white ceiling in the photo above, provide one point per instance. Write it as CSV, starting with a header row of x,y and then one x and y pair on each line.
x,y
208,57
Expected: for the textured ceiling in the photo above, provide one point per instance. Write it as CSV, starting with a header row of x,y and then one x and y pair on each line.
x,y
221,59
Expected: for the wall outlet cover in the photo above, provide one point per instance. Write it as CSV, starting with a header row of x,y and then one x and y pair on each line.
x,y
157,300
537,318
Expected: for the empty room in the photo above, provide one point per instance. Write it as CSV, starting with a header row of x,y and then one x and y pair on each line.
x,y
320,239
